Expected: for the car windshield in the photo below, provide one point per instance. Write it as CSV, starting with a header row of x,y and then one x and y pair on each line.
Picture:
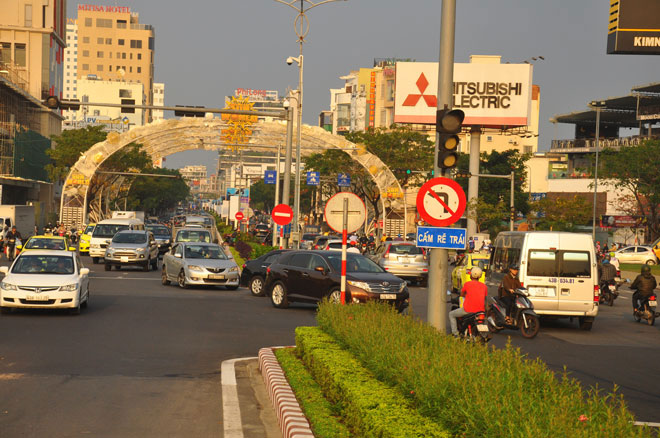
x,y
193,236
108,230
405,249
159,231
39,243
354,263
129,238
89,229
205,252
309,236
43,264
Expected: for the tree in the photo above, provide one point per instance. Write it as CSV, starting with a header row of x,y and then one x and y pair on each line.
x,y
486,215
154,194
69,146
562,213
635,169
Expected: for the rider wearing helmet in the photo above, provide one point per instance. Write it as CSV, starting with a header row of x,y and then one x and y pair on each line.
x,y
606,271
643,286
613,260
510,283
474,293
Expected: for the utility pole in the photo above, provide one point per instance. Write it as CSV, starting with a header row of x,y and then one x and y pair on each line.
x,y
286,184
438,265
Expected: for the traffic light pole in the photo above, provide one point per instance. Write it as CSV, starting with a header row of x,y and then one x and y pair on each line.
x,y
438,265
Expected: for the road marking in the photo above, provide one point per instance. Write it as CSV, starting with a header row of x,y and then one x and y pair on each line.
x,y
124,278
231,411
646,423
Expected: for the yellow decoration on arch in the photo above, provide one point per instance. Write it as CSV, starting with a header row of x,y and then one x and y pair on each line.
x,y
239,126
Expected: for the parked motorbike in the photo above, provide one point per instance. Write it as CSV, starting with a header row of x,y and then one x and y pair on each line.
x,y
647,309
523,317
472,326
609,291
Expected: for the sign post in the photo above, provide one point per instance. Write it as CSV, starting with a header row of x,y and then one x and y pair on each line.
x,y
345,212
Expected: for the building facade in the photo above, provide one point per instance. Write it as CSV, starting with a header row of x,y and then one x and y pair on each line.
x,y
159,100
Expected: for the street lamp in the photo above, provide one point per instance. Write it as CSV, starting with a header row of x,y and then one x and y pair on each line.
x,y
301,27
598,105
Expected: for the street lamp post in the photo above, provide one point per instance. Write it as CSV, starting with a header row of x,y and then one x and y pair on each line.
x,y
597,105
301,26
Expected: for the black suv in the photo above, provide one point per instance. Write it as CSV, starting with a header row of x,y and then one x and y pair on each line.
x,y
253,275
261,230
310,276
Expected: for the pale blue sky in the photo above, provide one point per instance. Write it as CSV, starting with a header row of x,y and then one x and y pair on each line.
x,y
206,49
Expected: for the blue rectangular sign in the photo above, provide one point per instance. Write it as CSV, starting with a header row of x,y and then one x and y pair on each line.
x,y
313,178
343,180
445,238
270,176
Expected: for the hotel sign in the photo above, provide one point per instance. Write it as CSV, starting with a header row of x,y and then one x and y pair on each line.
x,y
100,8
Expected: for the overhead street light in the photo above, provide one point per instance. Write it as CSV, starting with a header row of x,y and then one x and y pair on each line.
x,y
597,105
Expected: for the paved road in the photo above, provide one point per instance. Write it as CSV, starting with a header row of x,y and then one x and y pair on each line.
x,y
144,359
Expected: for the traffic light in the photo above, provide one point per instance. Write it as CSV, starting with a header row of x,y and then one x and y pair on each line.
x,y
461,174
184,113
126,110
448,123
408,171
53,102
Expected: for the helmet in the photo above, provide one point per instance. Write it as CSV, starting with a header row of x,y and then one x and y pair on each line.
x,y
475,273
645,269
606,261
514,266
612,254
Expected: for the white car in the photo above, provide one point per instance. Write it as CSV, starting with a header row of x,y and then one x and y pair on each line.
x,y
202,264
637,254
45,279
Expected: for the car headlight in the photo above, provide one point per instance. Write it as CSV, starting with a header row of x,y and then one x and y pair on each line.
x,y
402,286
69,287
95,245
360,284
110,251
7,286
167,241
195,268
234,269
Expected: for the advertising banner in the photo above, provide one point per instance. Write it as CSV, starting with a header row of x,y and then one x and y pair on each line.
x,y
489,94
620,221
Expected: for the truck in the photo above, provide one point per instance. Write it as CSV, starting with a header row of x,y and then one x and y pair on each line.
x,y
128,215
22,216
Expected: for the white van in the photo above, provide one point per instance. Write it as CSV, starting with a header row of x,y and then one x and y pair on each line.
x,y
558,269
105,231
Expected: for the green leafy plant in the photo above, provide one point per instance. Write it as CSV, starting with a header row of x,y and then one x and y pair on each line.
x,y
244,249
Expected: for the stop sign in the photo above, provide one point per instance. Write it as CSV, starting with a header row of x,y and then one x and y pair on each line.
x,y
282,214
239,215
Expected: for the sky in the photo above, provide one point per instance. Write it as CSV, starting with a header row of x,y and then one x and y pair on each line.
x,y
207,49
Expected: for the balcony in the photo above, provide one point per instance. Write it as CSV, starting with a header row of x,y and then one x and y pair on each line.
x,y
16,75
587,145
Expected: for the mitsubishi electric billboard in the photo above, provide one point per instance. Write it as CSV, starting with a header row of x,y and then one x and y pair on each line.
x,y
490,94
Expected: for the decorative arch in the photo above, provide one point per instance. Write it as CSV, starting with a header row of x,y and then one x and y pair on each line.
x,y
166,137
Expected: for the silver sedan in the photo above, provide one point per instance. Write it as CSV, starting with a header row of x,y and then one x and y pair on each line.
x,y
202,264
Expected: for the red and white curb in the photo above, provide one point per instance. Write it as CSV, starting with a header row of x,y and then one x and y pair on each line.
x,y
293,422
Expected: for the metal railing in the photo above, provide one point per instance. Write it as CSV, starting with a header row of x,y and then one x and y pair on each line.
x,y
589,144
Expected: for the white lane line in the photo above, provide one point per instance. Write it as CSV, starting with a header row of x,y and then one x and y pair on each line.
x,y
231,411
125,278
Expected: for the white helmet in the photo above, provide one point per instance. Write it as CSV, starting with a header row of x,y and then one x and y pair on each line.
x,y
475,273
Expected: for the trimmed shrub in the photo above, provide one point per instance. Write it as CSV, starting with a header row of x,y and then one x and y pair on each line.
x,y
472,390
258,250
244,249
322,415
369,408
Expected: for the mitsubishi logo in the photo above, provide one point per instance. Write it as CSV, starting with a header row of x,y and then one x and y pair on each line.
x,y
430,99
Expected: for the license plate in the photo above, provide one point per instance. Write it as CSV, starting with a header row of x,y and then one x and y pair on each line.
x,y
541,291
216,277
124,259
388,296
653,303
37,297
612,288
482,327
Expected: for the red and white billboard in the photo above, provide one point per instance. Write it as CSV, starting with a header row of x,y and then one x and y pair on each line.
x,y
489,94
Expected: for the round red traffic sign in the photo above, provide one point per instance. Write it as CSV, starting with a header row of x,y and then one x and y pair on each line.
x,y
282,214
441,202
239,216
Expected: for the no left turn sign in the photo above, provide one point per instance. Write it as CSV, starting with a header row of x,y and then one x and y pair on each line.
x,y
441,202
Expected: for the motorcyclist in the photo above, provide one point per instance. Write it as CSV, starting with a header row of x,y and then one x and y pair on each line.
x,y
606,271
643,286
509,284
474,293
12,237
614,260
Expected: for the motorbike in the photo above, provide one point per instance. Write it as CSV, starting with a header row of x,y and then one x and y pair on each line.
x,y
609,291
647,309
472,326
523,317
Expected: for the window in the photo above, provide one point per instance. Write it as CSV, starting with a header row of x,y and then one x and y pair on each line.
x,y
299,260
108,40
85,53
28,15
505,257
123,56
527,149
139,56
130,69
20,57
85,40
542,263
136,44
85,66
139,69
125,93
99,54
120,42
5,52
103,22
489,138
99,40
99,67
88,23
97,112
121,24
130,56
109,68
575,264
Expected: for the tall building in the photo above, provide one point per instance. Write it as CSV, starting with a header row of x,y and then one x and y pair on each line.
x,y
70,81
159,100
195,177
114,46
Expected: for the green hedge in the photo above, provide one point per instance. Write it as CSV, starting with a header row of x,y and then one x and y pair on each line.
x,y
258,250
369,408
471,390
321,414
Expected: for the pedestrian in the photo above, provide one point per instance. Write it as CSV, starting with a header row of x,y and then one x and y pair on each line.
x,y
471,244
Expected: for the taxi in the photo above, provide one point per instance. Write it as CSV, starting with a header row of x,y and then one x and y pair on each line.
x,y
461,273
85,237
47,242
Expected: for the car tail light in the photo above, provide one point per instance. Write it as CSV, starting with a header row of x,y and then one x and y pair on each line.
x,y
387,253
596,293
268,270
618,273
652,298
244,265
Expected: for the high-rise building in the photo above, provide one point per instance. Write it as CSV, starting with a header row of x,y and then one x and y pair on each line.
x,y
70,81
195,177
114,46
159,100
